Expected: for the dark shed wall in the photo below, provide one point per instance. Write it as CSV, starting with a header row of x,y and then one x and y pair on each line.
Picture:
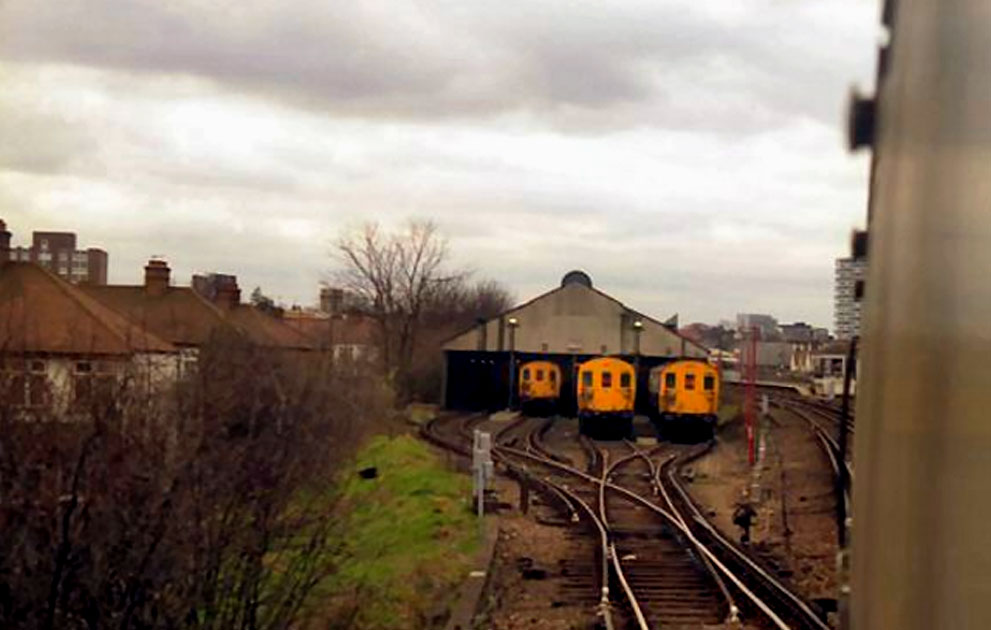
x,y
479,381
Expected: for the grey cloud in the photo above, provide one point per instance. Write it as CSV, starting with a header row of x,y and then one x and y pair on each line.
x,y
38,142
573,65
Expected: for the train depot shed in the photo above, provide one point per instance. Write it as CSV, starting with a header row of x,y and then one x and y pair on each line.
x,y
567,325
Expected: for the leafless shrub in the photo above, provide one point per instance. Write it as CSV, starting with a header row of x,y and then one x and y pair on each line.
x,y
212,507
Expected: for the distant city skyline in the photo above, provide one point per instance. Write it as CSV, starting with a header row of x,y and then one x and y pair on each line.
x,y
689,155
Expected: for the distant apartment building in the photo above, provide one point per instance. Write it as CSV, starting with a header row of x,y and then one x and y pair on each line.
x,y
217,286
767,324
800,332
58,253
335,300
849,292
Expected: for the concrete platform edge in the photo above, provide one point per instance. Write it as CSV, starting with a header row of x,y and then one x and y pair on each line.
x,y
473,588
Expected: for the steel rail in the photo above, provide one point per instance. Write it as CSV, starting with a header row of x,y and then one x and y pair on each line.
x,y
737,582
630,595
605,609
659,489
822,433
711,530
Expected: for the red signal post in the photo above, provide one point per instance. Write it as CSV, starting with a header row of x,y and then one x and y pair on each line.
x,y
750,388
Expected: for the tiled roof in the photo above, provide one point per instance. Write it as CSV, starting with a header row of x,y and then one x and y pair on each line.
x,y
41,313
351,330
177,314
266,330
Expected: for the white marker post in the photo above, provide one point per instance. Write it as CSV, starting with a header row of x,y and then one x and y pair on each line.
x,y
481,463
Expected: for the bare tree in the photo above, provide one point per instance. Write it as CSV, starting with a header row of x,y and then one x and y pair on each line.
x,y
396,275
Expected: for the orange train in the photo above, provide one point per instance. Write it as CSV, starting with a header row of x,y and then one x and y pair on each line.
x,y
540,387
685,398
607,391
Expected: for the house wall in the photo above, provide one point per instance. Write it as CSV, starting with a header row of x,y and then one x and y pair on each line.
x,y
153,372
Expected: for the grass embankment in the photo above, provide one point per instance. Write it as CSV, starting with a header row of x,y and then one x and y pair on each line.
x,y
409,539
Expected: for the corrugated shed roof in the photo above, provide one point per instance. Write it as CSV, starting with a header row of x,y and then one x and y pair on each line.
x,y
178,314
41,313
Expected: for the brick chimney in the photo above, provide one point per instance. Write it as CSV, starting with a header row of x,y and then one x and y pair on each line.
x,y
228,295
156,277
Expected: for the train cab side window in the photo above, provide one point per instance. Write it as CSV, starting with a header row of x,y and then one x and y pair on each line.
x,y
689,381
526,374
540,375
709,383
624,379
587,379
553,376
606,380
670,380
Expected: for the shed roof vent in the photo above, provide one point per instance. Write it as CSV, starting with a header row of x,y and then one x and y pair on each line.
x,y
576,277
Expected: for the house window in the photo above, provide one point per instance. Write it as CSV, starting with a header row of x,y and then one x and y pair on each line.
x,y
93,383
544,347
604,348
670,380
25,383
709,383
540,375
689,381
606,380
624,379
587,379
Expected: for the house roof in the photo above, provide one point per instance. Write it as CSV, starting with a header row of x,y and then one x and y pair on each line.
x,y
351,330
266,330
185,318
178,314
41,313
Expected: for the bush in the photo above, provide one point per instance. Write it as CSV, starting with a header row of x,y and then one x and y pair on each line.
x,y
211,506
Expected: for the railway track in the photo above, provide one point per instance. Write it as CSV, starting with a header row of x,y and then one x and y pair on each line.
x,y
644,555
815,416
667,564
673,585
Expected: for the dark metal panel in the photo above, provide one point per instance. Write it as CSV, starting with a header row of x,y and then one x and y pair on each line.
x,y
922,496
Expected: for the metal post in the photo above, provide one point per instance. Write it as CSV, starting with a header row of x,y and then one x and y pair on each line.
x,y
843,519
481,462
750,390
513,323
524,493
841,479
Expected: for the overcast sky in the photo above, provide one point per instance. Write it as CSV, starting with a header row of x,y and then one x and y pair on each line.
x,y
687,154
